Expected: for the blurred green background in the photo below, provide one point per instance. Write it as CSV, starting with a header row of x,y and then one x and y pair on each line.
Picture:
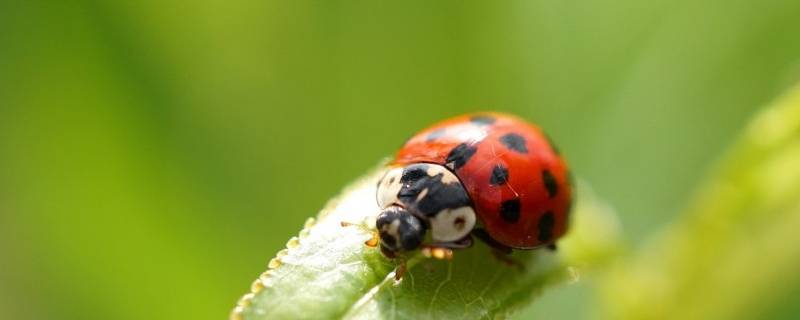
x,y
155,154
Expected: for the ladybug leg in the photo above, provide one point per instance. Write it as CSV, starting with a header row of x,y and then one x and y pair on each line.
x,y
499,251
463,243
486,238
400,271
444,250
372,242
432,251
401,263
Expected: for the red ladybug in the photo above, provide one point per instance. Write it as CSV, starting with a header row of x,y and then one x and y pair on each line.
x,y
491,175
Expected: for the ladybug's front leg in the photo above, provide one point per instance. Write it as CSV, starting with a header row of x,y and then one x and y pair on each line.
x,y
444,250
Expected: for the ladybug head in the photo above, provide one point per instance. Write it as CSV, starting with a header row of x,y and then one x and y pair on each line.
x,y
399,230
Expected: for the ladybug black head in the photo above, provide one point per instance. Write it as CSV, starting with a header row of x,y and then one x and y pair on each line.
x,y
399,230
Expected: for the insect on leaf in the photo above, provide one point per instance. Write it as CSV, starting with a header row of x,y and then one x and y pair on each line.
x,y
327,272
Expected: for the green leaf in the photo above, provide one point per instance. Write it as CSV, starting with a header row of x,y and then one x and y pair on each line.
x,y
735,250
328,272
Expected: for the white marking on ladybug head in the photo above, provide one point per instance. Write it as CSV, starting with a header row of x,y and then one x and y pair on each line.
x,y
391,229
452,224
422,194
447,175
388,187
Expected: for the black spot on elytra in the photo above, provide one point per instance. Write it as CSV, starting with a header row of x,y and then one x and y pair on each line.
x,y
459,156
509,210
550,183
552,144
499,175
435,134
514,142
482,120
546,224
439,196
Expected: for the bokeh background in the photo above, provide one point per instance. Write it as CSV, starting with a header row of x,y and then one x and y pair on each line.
x,y
155,154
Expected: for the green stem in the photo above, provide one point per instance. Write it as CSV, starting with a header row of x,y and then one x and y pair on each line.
x,y
734,250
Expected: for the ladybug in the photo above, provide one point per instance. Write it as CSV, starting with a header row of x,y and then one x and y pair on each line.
x,y
489,175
